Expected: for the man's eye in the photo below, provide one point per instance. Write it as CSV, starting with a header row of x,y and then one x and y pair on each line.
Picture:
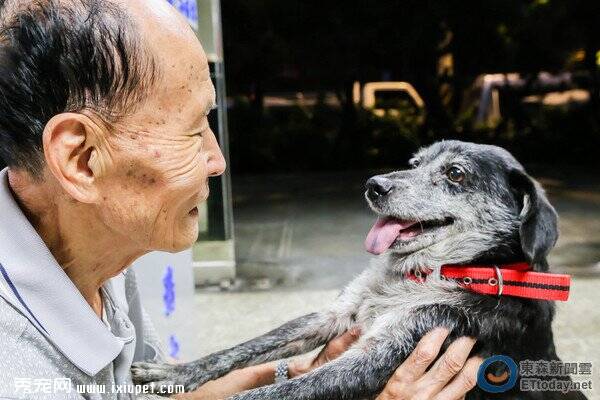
x,y
455,174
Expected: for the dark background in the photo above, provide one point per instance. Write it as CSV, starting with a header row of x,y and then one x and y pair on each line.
x,y
322,47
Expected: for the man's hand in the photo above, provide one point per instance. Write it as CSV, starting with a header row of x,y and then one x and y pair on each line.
x,y
450,378
260,375
232,383
333,350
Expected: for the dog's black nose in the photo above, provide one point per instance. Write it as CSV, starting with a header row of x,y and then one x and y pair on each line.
x,y
378,187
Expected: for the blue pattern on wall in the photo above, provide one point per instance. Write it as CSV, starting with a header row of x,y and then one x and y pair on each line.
x,y
173,346
169,291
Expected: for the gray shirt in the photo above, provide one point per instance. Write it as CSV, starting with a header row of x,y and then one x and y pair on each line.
x,y
52,344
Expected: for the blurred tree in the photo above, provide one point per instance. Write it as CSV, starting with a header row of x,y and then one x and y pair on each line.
x,y
324,45
586,17
315,44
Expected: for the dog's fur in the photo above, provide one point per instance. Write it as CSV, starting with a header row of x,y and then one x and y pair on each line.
x,y
498,215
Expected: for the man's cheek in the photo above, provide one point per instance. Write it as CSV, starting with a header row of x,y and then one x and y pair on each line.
x,y
186,173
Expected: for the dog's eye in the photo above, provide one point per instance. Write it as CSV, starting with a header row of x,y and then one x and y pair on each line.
x,y
414,163
455,174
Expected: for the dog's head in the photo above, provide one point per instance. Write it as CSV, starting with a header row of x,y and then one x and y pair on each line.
x,y
460,203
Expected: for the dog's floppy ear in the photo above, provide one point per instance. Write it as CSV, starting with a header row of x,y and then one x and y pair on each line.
x,y
539,222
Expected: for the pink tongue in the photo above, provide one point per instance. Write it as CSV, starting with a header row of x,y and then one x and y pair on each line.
x,y
384,233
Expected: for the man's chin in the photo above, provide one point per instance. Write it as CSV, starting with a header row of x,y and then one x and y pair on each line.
x,y
187,240
182,241
182,246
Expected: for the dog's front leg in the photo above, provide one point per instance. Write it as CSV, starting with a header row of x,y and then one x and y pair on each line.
x,y
359,373
295,337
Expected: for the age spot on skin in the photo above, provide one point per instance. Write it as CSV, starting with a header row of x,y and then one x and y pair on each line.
x,y
156,154
147,180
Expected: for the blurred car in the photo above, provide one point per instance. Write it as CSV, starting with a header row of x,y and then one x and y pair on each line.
x,y
489,93
389,98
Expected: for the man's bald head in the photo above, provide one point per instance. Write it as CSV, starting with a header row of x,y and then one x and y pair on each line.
x,y
61,56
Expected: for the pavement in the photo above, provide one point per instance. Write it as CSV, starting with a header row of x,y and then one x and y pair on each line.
x,y
299,240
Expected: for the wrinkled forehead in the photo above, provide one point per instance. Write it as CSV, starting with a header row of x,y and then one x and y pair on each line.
x,y
475,158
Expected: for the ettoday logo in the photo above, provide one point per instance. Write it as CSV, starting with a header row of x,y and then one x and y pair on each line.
x,y
497,374
500,373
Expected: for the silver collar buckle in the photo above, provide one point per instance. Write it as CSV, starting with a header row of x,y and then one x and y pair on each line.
x,y
499,280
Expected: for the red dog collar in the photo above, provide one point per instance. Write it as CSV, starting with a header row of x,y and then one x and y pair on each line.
x,y
506,280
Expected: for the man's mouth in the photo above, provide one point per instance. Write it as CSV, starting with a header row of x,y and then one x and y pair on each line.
x,y
390,230
203,197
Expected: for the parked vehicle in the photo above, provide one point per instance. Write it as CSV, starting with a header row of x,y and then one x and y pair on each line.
x,y
389,98
490,93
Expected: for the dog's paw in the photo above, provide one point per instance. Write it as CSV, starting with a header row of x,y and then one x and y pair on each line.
x,y
161,378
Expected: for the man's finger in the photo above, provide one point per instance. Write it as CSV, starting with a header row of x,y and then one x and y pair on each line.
x,y
234,382
422,356
448,365
339,345
463,382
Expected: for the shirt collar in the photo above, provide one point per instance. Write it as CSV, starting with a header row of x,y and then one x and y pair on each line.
x,y
35,284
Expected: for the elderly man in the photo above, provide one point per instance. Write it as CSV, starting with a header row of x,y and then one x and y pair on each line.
x,y
103,126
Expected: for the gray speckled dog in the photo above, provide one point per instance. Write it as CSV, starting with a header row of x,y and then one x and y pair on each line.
x,y
461,203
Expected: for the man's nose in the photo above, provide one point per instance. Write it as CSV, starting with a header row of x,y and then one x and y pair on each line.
x,y
378,187
216,163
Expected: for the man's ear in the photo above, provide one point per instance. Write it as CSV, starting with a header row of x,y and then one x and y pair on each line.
x,y
539,221
68,142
